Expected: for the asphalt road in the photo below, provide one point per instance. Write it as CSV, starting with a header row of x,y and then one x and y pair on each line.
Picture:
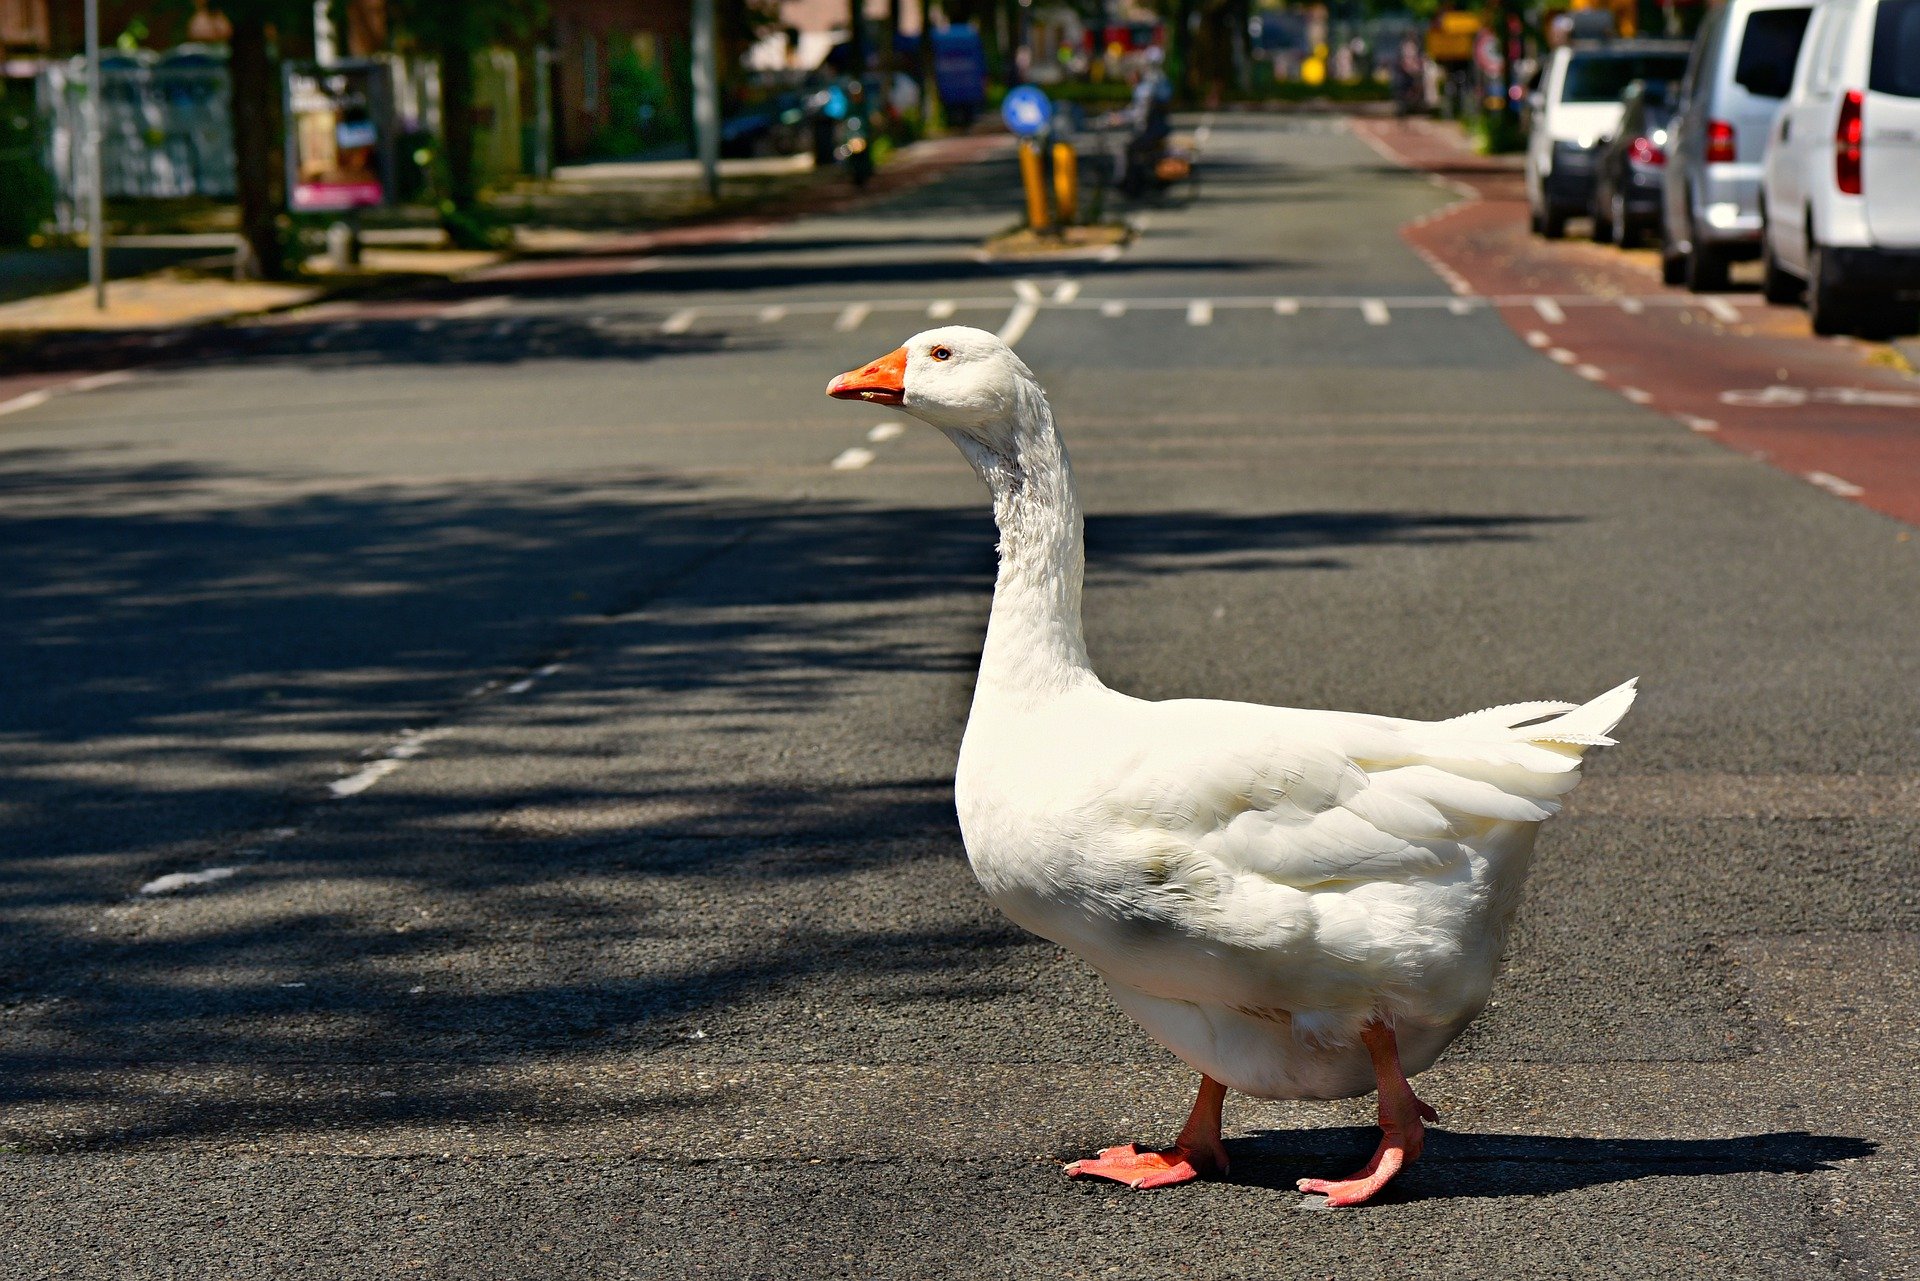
x,y
571,692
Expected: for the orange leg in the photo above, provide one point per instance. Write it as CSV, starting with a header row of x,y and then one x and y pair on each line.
x,y
1402,1118
1198,1151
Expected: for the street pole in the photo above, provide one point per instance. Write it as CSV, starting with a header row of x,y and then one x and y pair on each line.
x,y
706,98
326,42
96,165
542,112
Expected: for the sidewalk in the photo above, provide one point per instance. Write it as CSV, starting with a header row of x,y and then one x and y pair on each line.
x,y
589,211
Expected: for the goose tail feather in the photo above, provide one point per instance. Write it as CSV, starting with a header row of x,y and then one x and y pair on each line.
x,y
1588,725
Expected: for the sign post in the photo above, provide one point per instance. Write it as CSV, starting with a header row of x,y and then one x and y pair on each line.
x,y
96,165
706,98
1027,112
340,145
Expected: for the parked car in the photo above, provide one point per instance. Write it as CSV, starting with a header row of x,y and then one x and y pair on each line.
x,y
1739,74
1842,178
1576,108
1631,169
779,126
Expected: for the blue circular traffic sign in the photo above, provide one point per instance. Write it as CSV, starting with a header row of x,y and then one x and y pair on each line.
x,y
1026,110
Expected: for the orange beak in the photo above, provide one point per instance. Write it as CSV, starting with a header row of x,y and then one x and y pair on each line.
x,y
884,382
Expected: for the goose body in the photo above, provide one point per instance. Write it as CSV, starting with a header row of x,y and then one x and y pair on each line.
x,y
1297,903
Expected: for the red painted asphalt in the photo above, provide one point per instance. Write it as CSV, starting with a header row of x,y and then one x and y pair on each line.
x,y
1837,413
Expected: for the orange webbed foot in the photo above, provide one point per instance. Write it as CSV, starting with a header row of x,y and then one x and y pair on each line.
x,y
1403,1130
1129,1165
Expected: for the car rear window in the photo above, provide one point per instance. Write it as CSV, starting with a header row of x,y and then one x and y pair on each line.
x,y
1896,49
1603,77
1768,50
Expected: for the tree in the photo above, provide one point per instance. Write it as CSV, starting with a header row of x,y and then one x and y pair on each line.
x,y
254,89
453,34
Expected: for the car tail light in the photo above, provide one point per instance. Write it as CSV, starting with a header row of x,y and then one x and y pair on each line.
x,y
1848,137
1719,143
1643,152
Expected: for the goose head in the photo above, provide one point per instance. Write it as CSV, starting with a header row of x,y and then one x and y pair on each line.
x,y
966,382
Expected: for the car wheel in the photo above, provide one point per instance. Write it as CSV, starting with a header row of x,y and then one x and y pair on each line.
x,y
1831,309
1885,317
1673,266
1553,223
1534,221
1706,269
1626,233
1776,284
1602,222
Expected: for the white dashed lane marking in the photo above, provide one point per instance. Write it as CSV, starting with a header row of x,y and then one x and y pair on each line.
x,y
1113,308
1375,312
852,458
1549,310
1199,312
410,745
679,322
526,683
852,318
41,395
479,307
1721,310
1017,322
940,309
1834,485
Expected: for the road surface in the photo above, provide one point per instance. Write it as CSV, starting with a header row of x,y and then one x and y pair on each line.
x,y
544,701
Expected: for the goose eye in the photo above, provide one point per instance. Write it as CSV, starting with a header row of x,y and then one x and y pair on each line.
x,y
941,353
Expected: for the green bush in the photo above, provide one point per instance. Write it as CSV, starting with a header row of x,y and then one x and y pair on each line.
x,y
1105,93
26,189
1497,133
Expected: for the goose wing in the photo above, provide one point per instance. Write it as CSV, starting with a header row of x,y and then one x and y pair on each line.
x,y
1321,799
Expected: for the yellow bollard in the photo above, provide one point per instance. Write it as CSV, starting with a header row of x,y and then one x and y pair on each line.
x,y
1066,183
1038,216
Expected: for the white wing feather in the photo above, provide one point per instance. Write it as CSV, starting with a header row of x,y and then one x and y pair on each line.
x,y
1309,799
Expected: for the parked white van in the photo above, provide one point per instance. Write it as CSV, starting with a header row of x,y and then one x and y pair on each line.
x,y
1575,110
1738,77
1841,194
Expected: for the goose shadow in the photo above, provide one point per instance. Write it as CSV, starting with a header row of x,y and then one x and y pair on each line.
x,y
1463,1165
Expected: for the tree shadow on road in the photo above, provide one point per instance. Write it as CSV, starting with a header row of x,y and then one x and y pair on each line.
x,y
193,654
1458,1164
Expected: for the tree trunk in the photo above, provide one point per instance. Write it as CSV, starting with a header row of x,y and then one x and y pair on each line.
x,y
456,122
255,106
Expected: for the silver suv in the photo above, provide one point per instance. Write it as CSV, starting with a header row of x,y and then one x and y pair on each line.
x,y
1738,75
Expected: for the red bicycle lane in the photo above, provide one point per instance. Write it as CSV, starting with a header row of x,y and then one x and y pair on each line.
x,y
1837,413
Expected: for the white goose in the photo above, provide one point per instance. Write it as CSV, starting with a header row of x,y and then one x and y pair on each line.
x,y
1300,904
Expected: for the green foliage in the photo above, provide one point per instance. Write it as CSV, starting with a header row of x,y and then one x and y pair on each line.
x,y
640,104
439,25
26,190
1497,133
1106,93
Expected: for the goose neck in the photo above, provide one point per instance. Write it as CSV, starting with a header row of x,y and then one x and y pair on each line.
x,y
1034,646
